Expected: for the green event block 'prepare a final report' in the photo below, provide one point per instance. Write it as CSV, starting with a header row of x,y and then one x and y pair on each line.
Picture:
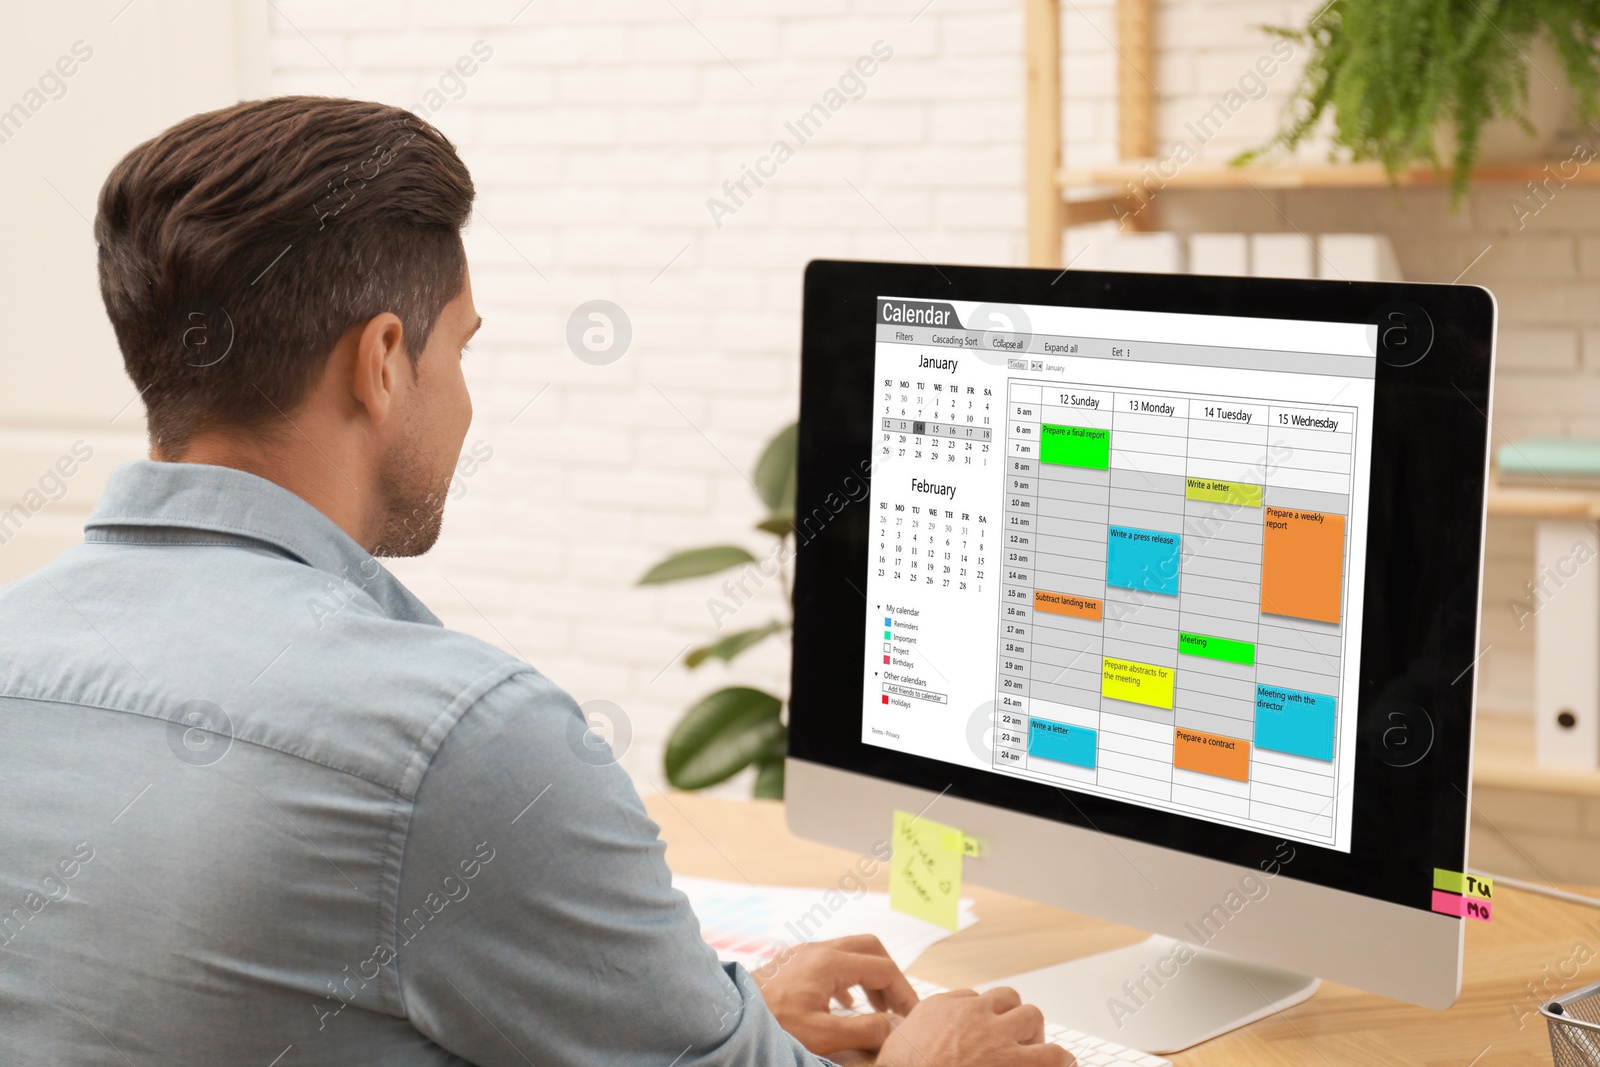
x,y
1075,446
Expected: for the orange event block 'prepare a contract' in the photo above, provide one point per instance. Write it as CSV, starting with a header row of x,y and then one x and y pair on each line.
x,y
1077,607
1302,564
1225,757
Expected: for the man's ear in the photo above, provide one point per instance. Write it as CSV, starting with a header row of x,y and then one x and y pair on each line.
x,y
380,359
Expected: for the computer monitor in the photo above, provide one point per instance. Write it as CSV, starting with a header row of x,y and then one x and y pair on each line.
x,y
1165,589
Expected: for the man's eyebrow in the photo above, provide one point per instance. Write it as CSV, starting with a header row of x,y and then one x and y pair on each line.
x,y
475,328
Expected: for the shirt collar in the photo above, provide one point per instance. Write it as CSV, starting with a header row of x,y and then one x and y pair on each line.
x,y
198,496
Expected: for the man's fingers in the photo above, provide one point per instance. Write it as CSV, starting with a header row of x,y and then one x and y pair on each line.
x,y
834,1032
1026,1023
957,993
867,944
1045,1056
877,975
1002,999
879,1002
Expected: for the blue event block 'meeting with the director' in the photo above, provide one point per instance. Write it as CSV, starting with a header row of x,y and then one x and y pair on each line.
x,y
1300,724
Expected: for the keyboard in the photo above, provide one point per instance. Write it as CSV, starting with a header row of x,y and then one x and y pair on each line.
x,y
1090,1051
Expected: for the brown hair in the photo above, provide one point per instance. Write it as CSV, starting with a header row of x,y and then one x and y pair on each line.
x,y
237,247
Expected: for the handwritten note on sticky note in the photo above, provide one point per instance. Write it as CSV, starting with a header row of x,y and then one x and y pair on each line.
x,y
925,874
1467,885
1462,907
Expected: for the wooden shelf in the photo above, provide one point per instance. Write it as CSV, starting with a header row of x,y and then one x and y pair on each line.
x,y
1115,192
1503,753
1279,176
1502,758
1528,501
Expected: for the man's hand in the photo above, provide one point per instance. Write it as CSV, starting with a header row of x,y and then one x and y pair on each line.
x,y
962,1027
801,985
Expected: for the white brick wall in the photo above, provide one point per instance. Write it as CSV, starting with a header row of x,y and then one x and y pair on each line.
x,y
596,133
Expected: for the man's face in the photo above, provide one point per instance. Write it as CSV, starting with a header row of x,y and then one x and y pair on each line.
x,y
432,414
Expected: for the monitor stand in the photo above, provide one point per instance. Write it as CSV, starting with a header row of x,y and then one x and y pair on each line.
x,y
1159,995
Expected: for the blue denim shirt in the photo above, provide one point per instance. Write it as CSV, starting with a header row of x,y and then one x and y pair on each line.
x,y
258,807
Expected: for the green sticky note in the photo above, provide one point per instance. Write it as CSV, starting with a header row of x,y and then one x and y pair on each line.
x,y
925,875
1467,885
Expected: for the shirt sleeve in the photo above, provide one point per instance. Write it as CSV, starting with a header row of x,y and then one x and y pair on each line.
x,y
536,920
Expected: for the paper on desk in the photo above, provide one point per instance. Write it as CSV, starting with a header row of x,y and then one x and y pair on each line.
x,y
751,924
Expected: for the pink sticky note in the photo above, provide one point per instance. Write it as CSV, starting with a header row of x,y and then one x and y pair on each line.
x,y
1461,907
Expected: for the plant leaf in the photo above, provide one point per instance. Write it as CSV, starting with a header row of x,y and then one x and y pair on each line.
x,y
732,645
778,749
769,781
695,563
775,472
776,526
1402,80
721,735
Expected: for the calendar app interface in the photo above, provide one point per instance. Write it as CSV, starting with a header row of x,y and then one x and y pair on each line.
x,y
1122,553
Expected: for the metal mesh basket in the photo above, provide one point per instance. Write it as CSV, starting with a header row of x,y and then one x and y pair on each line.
x,y
1575,1027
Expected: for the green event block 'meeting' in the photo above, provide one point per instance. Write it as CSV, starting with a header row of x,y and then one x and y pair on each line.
x,y
1219,648
1075,446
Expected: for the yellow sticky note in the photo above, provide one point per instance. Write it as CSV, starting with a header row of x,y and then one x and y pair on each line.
x,y
925,875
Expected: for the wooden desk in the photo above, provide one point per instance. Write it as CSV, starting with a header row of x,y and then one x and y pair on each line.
x,y
746,840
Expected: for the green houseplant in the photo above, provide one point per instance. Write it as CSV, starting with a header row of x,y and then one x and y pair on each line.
x,y
734,727
1416,81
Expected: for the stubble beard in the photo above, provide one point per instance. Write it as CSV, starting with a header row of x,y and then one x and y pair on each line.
x,y
413,505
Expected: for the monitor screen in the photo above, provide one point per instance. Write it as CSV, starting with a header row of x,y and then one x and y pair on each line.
x,y
1188,561
1122,553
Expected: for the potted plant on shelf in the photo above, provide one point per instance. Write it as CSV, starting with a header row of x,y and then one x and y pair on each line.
x,y
737,726
1410,82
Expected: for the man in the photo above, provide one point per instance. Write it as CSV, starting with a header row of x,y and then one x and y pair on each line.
x,y
256,805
